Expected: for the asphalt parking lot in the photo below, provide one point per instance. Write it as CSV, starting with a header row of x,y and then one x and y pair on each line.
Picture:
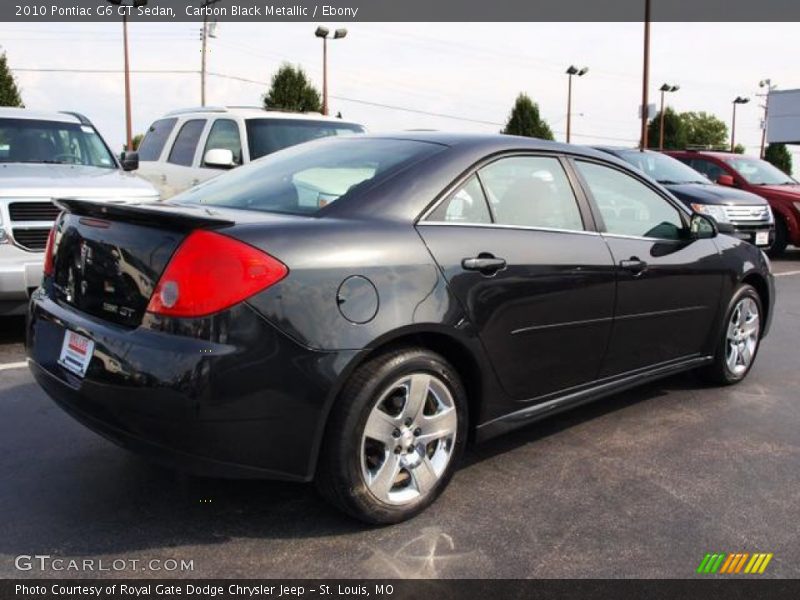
x,y
643,484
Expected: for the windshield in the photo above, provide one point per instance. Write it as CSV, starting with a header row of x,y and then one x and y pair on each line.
x,y
52,142
304,179
662,168
759,172
266,136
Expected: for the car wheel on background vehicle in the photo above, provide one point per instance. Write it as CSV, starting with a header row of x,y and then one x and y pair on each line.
x,y
739,338
395,436
781,238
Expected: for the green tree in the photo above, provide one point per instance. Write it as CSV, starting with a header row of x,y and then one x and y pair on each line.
x,y
525,120
739,149
674,131
703,129
779,156
136,141
9,92
291,90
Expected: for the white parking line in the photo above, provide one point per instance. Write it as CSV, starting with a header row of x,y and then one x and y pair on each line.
x,y
14,365
787,273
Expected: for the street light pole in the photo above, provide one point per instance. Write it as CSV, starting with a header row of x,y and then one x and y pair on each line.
x,y
128,119
645,75
580,72
322,32
663,89
204,50
737,100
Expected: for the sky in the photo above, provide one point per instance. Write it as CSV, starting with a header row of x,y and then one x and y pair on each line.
x,y
470,72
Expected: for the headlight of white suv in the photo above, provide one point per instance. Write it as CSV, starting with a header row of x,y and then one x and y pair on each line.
x,y
716,212
4,239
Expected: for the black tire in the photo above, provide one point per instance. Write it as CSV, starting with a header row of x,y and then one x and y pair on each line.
x,y
719,373
781,240
340,478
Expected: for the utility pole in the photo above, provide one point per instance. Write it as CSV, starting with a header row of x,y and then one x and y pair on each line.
x,y
767,83
204,35
645,75
128,119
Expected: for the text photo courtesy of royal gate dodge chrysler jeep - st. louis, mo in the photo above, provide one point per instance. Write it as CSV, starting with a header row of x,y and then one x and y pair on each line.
x,y
328,298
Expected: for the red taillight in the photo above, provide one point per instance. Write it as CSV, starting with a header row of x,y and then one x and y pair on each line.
x,y
211,272
48,252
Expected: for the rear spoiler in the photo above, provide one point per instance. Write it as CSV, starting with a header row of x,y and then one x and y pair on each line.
x,y
163,215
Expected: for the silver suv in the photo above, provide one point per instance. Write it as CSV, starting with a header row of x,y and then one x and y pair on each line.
x,y
189,146
45,156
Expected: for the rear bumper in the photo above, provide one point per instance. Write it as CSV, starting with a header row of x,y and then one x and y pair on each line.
x,y
253,406
20,271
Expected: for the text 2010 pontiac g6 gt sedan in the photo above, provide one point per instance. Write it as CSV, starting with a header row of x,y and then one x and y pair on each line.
x,y
354,309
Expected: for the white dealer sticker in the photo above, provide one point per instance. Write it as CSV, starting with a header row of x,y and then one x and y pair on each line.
x,y
762,238
76,352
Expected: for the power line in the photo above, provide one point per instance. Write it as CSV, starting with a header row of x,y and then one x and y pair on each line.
x,y
341,98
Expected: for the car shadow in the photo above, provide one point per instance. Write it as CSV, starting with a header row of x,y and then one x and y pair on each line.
x,y
73,491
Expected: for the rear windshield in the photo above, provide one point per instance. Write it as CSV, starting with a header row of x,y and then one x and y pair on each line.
x,y
266,136
304,179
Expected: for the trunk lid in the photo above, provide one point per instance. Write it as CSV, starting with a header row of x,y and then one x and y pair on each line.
x,y
108,258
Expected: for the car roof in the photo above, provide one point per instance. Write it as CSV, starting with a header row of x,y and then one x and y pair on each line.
x,y
7,112
710,153
493,142
253,112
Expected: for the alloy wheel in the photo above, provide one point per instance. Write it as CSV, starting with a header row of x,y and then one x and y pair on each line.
x,y
744,328
409,438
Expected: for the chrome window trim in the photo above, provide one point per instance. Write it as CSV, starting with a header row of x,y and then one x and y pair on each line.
x,y
502,226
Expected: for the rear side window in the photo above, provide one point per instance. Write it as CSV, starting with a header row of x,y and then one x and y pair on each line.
x,y
308,177
185,145
224,135
531,191
466,205
154,140
266,136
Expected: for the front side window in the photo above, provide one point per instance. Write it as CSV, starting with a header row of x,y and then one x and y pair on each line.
x,y
707,168
185,145
628,206
155,139
531,191
266,136
224,135
466,205
52,142
304,179
664,169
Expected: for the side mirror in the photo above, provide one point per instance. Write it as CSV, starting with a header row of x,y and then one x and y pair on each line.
x,y
129,160
726,179
219,158
703,227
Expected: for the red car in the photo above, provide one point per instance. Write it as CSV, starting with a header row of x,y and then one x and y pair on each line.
x,y
757,176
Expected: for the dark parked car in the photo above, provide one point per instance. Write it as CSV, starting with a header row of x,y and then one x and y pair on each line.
x,y
756,176
352,310
740,213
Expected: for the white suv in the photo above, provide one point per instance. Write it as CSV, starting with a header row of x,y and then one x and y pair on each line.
x,y
43,156
189,146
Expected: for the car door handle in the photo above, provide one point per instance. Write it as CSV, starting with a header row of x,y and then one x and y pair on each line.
x,y
634,265
485,263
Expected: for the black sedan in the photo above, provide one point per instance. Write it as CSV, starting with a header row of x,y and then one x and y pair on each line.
x,y
353,310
